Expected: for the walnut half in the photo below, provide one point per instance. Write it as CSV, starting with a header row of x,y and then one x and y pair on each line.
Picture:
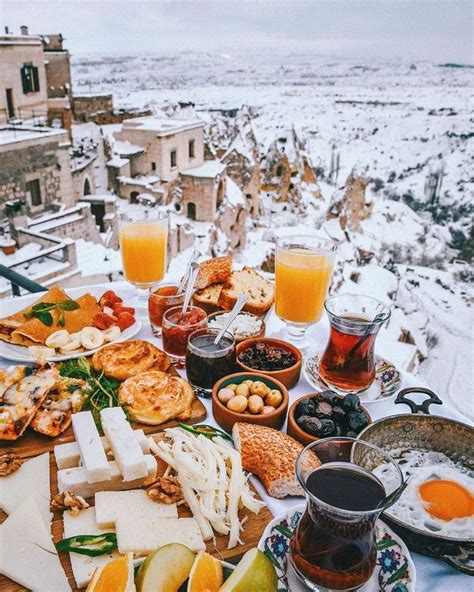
x,y
166,490
69,501
9,463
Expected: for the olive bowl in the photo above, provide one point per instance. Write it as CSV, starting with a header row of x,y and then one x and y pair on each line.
x,y
294,430
226,417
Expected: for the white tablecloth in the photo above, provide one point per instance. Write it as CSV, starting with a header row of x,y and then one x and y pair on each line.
x,y
432,575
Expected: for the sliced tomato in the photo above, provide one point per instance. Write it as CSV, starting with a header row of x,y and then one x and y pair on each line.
x,y
109,298
125,320
118,308
103,321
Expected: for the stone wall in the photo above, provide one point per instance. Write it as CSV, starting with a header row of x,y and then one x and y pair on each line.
x,y
79,177
88,107
201,196
44,162
58,74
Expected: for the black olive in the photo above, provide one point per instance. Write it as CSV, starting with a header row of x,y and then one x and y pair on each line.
x,y
338,414
357,420
324,409
330,397
311,425
327,427
305,407
338,431
351,434
351,402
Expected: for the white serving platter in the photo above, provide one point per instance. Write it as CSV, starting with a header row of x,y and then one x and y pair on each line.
x,y
19,353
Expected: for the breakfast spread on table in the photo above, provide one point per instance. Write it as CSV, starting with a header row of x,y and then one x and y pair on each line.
x,y
109,480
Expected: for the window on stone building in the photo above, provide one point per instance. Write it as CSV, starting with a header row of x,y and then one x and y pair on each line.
x,y
34,189
173,160
191,148
279,171
30,79
153,166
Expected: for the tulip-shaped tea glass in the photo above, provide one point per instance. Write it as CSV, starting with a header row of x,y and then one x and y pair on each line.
x,y
334,546
303,271
348,362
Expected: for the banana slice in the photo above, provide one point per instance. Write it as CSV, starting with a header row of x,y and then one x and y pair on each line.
x,y
73,344
58,339
91,338
41,353
111,333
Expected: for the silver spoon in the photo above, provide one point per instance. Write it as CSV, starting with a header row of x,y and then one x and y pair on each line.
x,y
238,306
194,257
194,270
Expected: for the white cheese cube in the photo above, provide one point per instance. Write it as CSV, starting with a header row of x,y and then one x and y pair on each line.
x,y
144,535
92,452
68,455
82,565
111,504
75,479
127,452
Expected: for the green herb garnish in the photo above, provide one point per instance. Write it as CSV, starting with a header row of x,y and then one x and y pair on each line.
x,y
42,311
206,430
87,544
102,392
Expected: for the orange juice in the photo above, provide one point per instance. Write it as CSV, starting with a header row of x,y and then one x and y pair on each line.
x,y
302,281
143,246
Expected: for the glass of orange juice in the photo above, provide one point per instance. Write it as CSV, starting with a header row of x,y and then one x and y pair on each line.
x,y
143,236
303,271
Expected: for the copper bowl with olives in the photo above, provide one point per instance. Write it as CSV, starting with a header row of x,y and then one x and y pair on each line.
x,y
250,397
326,414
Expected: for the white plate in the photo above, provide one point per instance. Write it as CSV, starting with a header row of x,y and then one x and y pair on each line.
x,y
387,381
19,353
394,570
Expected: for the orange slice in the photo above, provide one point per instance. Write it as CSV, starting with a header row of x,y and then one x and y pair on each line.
x,y
117,575
206,574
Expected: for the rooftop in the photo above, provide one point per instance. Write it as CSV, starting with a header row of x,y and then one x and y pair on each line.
x,y
11,133
20,40
162,126
210,169
126,148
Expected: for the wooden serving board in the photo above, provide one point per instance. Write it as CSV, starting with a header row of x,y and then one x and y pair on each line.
x,y
250,536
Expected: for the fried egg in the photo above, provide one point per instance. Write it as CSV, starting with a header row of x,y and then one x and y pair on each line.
x,y
439,496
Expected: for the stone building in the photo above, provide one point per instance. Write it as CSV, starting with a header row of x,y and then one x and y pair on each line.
x,y
35,167
202,190
23,85
350,205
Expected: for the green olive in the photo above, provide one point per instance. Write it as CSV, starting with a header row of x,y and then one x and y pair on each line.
x,y
255,404
243,389
237,404
225,395
259,388
274,398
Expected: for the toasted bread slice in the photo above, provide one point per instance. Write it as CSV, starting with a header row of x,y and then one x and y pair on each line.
x,y
213,271
261,292
271,456
208,298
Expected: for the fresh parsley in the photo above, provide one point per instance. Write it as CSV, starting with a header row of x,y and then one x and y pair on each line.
x,y
102,392
42,311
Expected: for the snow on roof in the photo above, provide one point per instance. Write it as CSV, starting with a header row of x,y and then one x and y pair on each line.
x,y
124,147
234,194
210,169
117,162
12,134
162,126
143,180
106,198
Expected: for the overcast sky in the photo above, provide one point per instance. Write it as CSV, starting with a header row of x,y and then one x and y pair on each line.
x,y
431,29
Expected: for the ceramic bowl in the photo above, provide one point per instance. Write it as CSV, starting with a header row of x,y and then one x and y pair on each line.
x,y
226,418
239,338
294,430
288,376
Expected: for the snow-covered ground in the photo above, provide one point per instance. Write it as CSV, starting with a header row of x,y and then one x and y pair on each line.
x,y
407,125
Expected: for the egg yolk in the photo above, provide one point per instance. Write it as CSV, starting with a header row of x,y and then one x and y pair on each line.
x,y
446,499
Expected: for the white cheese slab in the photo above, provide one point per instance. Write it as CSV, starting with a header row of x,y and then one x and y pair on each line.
x,y
68,455
109,505
127,452
143,535
82,565
31,479
92,452
27,554
75,479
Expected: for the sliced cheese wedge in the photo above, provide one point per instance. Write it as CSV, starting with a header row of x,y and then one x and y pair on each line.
x,y
143,535
27,554
83,566
92,452
127,452
31,479
109,505
69,455
75,479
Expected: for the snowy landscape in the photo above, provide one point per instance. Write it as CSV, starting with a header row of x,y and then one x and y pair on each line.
x,y
403,127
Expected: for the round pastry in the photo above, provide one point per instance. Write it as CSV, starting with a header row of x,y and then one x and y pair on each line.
x,y
155,397
128,358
